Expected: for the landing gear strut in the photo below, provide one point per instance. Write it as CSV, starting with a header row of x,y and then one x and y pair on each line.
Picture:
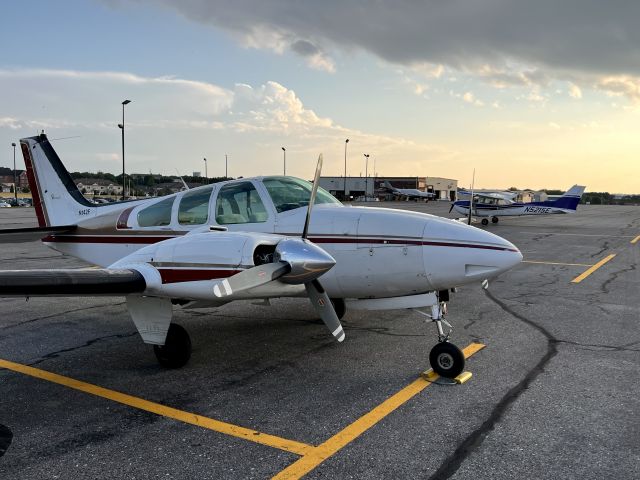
x,y
176,351
445,358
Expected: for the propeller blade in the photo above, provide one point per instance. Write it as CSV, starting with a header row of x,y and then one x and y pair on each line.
x,y
312,199
251,278
322,305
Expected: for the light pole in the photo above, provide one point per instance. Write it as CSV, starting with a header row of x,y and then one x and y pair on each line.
x,y
121,126
206,175
344,194
284,159
226,164
366,177
15,186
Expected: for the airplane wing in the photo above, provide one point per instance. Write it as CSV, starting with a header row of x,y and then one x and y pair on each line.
x,y
31,234
71,282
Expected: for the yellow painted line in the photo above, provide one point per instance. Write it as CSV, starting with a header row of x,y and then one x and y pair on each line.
x,y
559,263
159,409
320,453
636,240
595,267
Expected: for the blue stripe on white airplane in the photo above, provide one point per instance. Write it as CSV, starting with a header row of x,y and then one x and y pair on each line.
x,y
493,205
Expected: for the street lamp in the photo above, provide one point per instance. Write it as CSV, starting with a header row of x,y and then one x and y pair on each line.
x,y
206,175
284,159
366,177
226,165
15,186
121,127
345,169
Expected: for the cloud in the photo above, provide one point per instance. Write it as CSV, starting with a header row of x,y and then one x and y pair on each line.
x,y
544,39
575,91
470,98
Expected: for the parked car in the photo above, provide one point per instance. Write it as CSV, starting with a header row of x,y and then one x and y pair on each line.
x,y
4,204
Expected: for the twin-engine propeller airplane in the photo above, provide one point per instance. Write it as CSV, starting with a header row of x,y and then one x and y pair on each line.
x,y
502,204
249,239
408,193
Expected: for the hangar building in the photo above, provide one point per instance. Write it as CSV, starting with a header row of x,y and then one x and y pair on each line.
x,y
351,188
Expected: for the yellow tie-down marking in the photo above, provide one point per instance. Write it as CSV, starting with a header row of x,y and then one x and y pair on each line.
x,y
319,454
311,456
592,269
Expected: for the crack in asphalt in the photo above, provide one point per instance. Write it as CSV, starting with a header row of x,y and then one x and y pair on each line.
x,y
614,276
452,463
88,343
60,313
616,348
5,439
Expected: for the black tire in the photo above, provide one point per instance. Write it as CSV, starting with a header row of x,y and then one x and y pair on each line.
x,y
447,360
494,219
485,222
176,351
339,306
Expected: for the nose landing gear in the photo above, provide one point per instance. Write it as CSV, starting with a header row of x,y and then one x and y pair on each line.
x,y
446,359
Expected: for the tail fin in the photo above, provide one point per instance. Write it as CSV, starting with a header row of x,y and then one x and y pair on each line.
x,y
571,198
388,185
56,197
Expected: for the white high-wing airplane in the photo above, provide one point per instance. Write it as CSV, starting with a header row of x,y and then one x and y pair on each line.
x,y
251,238
502,204
408,193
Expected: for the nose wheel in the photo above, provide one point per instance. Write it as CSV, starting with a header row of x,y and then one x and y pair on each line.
x,y
446,359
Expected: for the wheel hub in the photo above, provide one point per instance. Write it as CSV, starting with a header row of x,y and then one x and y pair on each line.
x,y
445,361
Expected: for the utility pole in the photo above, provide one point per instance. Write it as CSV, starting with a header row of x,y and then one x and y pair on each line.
x,y
121,126
226,165
344,194
206,174
15,185
366,177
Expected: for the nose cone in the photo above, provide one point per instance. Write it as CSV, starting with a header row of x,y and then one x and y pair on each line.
x,y
307,260
456,254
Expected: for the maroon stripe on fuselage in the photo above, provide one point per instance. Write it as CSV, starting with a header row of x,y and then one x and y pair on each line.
x,y
177,275
130,239
33,185
123,219
140,239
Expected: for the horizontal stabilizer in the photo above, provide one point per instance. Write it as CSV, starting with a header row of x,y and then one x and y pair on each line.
x,y
70,282
31,234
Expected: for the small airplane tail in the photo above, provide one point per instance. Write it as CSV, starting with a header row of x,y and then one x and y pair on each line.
x,y
388,185
56,197
571,198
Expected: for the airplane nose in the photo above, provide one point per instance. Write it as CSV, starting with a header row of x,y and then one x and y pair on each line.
x,y
457,254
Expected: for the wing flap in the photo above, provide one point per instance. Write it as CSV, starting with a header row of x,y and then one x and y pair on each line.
x,y
68,282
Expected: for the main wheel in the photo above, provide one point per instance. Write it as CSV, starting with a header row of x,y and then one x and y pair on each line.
x,y
176,351
494,219
485,222
339,306
446,359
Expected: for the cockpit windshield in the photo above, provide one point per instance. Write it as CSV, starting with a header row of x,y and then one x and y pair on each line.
x,y
288,193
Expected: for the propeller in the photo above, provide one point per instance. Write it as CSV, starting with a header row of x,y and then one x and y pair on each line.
x,y
297,261
473,181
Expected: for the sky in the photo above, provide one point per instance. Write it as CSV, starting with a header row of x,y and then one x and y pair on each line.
x,y
538,94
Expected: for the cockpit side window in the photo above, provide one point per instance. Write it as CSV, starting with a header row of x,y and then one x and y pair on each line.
x,y
156,215
288,193
240,203
194,207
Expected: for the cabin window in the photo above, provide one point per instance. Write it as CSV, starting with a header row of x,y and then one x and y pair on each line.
x,y
194,206
240,203
288,193
156,215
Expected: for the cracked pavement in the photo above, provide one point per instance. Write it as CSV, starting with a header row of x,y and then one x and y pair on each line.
x,y
553,395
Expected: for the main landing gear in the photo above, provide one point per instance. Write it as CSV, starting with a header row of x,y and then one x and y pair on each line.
x,y
176,351
485,221
494,219
446,359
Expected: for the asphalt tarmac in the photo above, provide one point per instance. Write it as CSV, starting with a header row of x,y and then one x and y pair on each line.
x,y
554,393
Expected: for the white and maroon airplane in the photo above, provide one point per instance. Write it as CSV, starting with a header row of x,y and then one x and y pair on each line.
x,y
251,238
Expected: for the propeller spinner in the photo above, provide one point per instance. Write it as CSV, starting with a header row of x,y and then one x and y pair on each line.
x,y
296,261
